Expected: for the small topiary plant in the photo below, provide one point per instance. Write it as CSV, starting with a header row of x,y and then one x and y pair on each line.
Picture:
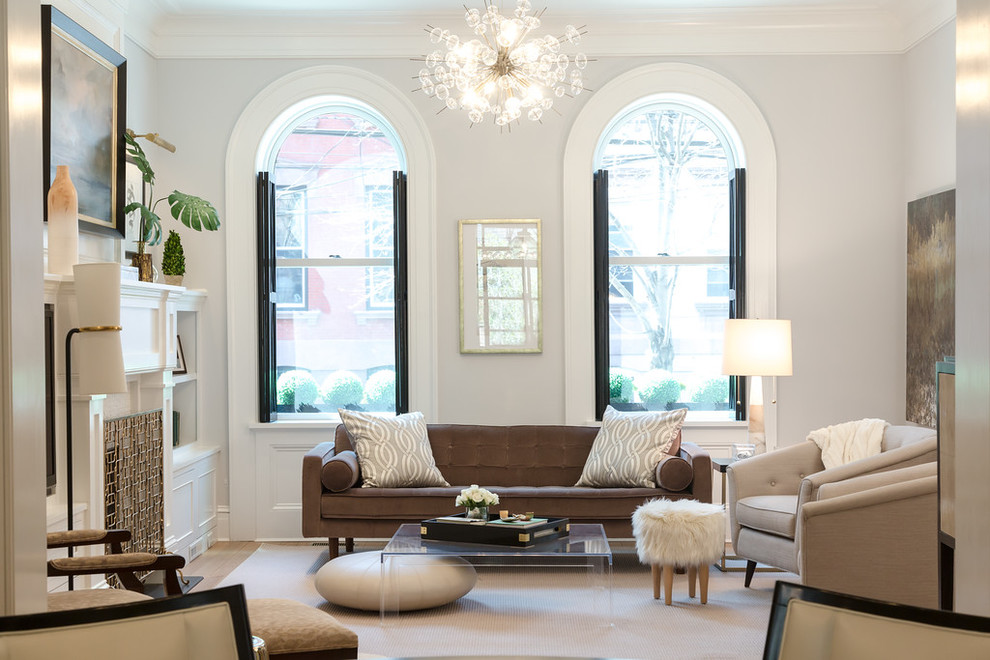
x,y
341,389
295,388
620,386
379,390
658,388
173,258
712,391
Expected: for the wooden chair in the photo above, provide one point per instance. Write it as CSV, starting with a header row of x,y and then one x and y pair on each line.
x,y
117,562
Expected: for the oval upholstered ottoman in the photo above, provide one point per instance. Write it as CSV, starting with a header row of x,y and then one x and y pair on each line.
x,y
355,580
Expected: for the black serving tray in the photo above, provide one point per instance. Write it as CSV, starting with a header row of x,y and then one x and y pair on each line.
x,y
520,535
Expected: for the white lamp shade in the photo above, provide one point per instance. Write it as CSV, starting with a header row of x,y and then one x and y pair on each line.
x,y
757,347
99,354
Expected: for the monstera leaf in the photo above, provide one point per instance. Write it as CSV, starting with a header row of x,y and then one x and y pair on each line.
x,y
194,212
150,222
136,153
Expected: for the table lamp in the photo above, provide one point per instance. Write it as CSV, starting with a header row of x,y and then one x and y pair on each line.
x,y
101,369
757,348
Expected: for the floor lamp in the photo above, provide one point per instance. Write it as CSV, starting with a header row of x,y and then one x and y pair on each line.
x,y
101,357
757,348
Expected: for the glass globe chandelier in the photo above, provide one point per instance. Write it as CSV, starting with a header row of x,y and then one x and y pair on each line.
x,y
506,71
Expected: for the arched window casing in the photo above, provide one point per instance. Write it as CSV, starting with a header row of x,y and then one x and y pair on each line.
x,y
666,271
751,146
331,264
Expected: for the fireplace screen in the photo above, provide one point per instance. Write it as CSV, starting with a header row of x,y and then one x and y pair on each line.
x,y
133,480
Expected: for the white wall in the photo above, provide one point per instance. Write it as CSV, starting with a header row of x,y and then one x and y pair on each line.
x,y
837,122
930,115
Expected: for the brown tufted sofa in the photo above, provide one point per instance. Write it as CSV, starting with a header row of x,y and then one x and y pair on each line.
x,y
531,468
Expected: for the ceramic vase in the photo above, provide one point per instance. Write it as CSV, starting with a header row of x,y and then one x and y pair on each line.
x,y
63,223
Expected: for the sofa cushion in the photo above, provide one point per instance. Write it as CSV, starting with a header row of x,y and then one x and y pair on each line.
x,y
774,514
415,504
673,473
628,447
340,472
393,452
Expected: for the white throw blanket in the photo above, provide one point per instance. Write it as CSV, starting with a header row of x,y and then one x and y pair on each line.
x,y
849,441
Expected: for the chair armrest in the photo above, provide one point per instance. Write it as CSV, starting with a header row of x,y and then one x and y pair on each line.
x,y
312,486
776,473
701,465
77,537
875,480
914,454
880,542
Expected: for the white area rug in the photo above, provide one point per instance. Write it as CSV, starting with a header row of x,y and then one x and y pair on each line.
x,y
540,611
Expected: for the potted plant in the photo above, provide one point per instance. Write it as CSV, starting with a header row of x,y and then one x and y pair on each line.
x,y
194,212
173,259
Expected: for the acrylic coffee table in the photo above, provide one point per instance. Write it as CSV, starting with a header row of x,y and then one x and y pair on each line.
x,y
585,549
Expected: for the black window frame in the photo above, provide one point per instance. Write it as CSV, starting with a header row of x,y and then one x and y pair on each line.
x,y
600,260
266,277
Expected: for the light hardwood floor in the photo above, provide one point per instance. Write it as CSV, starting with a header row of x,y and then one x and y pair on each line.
x,y
219,561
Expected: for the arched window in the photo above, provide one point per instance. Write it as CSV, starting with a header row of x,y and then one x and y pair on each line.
x,y
332,255
669,263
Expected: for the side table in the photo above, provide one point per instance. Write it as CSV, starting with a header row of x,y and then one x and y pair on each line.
x,y
722,465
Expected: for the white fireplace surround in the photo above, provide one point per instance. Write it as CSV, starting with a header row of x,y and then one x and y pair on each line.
x,y
149,319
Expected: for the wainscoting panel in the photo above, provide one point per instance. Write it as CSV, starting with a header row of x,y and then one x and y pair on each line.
x,y
278,496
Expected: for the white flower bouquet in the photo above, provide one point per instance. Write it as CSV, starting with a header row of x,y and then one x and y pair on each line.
x,y
475,497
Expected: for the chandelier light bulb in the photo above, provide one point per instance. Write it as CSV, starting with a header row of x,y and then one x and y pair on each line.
x,y
506,71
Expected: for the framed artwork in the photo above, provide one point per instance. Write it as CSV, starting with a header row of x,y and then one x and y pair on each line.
x,y
931,299
501,286
83,99
135,190
180,358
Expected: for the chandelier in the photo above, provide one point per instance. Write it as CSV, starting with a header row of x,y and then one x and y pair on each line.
x,y
505,71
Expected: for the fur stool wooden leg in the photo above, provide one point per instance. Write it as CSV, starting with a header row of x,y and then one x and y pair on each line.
x,y
673,533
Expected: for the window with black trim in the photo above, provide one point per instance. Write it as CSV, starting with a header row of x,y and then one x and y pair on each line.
x,y
669,266
332,317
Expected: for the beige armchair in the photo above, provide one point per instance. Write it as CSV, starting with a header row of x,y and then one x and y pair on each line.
x,y
767,495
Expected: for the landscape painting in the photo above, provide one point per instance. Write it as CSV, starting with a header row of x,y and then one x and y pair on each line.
x,y
931,299
83,82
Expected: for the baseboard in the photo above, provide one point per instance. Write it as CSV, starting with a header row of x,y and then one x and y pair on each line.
x,y
222,530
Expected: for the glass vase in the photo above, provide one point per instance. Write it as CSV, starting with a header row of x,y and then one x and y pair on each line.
x,y
476,513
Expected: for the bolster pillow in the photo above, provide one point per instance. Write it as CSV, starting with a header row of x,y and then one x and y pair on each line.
x,y
341,472
673,473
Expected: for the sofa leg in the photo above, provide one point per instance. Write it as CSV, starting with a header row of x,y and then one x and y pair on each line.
x,y
750,569
349,544
334,547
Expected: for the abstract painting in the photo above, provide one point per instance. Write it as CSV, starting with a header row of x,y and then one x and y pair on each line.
x,y
931,299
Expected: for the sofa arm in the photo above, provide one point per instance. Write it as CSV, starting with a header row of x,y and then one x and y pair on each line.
x,y
312,486
917,453
701,465
777,473
880,542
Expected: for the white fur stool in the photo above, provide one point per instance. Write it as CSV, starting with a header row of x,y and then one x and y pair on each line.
x,y
673,533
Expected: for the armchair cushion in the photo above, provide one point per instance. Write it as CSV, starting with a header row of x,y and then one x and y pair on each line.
x,y
340,472
628,448
774,514
393,452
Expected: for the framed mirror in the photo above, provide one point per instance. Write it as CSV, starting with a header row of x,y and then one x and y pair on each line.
x,y
501,286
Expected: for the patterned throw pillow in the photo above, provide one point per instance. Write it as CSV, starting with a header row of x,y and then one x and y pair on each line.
x,y
393,452
628,447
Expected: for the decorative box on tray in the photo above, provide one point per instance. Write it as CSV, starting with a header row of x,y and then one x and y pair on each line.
x,y
494,532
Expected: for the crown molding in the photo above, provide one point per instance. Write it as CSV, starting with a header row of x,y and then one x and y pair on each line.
x,y
158,27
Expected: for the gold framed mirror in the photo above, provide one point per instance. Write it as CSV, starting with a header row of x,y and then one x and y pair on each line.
x,y
501,286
